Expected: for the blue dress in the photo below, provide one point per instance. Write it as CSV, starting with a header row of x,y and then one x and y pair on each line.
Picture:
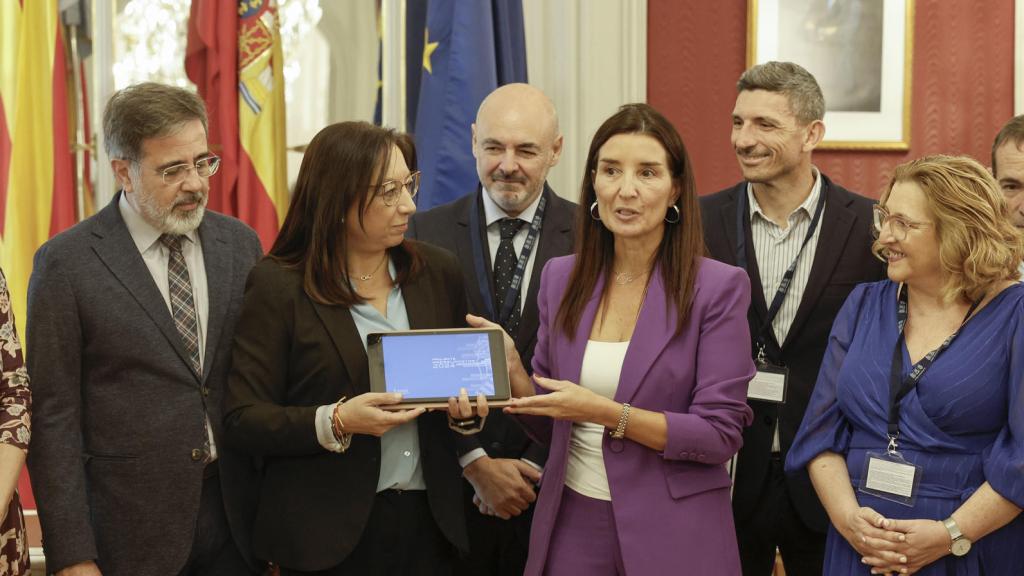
x,y
964,423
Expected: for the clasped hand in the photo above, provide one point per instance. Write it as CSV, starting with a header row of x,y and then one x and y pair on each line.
x,y
364,415
895,546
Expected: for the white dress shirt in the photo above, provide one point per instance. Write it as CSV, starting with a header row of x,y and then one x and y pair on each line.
x,y
492,214
775,248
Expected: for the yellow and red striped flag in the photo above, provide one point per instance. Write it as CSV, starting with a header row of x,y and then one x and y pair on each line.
x,y
234,58
37,195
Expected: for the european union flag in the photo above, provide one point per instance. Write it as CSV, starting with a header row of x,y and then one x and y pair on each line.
x,y
470,48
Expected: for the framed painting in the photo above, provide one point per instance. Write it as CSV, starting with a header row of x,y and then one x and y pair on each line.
x,y
860,51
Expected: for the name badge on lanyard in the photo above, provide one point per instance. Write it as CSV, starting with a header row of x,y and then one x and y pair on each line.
x,y
769,383
772,378
888,475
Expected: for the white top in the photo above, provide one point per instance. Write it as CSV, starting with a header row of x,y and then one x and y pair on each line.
x,y
585,473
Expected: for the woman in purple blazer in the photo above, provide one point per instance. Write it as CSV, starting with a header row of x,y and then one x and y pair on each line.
x,y
641,371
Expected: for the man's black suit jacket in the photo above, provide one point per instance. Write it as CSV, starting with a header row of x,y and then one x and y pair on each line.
x,y
447,226
292,355
842,260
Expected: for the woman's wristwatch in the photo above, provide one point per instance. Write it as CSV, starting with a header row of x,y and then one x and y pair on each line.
x,y
960,544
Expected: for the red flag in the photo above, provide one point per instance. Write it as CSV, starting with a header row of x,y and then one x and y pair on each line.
x,y
211,62
234,58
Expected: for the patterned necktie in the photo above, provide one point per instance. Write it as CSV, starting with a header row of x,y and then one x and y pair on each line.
x,y
183,308
504,268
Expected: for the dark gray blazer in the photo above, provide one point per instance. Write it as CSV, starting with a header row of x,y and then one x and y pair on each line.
x,y
117,412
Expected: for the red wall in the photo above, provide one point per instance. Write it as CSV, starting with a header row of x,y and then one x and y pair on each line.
x,y
962,86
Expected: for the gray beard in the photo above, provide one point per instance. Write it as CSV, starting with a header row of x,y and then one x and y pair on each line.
x,y
167,221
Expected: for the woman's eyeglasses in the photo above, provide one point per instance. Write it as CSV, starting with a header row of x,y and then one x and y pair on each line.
x,y
391,190
898,225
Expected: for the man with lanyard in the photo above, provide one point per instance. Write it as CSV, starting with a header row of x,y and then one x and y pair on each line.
x,y
503,234
1008,168
773,224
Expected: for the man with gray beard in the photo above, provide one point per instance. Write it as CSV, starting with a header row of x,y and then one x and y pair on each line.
x,y
131,314
503,234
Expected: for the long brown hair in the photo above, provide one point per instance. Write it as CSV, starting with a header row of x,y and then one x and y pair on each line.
x,y
682,244
342,166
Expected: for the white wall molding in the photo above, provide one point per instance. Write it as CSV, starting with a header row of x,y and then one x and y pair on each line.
x,y
590,57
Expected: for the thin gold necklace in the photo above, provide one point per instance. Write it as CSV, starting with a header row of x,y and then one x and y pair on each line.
x,y
368,277
623,278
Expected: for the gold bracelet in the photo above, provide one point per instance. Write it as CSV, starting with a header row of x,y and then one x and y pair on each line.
x,y
620,430
338,427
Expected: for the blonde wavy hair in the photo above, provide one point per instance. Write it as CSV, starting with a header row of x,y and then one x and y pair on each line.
x,y
978,246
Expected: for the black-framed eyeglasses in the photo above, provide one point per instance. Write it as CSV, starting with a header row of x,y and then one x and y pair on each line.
x,y
204,167
391,190
898,225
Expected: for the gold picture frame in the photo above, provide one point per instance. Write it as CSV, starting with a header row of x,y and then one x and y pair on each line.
x,y
1018,57
861,52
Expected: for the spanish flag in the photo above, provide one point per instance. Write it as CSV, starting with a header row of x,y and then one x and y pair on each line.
x,y
234,58
37,195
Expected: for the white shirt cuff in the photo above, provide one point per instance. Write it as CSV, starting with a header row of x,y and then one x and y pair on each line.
x,y
324,430
534,464
471,456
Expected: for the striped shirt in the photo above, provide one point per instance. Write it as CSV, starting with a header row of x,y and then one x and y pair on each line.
x,y
775,249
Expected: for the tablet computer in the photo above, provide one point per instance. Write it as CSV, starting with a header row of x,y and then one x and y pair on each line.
x,y
429,366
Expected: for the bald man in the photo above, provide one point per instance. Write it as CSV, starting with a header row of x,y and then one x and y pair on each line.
x,y
516,141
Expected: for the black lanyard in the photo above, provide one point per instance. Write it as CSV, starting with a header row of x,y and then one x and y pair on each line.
x,y
482,264
900,386
787,277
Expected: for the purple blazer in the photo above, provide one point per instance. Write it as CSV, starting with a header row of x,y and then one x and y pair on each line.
x,y
671,509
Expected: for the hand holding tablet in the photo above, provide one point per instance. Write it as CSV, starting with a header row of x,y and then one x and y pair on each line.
x,y
428,367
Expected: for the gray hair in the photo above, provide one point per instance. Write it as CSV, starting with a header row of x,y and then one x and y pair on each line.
x,y
792,81
143,111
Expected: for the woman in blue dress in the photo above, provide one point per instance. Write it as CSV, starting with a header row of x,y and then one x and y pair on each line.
x,y
929,480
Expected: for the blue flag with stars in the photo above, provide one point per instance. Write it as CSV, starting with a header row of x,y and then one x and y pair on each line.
x,y
469,49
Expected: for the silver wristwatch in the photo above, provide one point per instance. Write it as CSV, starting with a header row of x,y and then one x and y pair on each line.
x,y
960,544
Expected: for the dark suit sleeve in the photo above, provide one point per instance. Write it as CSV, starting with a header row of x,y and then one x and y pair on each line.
x,y
256,418
56,459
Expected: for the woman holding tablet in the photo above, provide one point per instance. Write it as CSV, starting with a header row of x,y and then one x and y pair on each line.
x,y
347,487
641,369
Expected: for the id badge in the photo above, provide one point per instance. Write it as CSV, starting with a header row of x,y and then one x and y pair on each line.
x,y
888,476
769,384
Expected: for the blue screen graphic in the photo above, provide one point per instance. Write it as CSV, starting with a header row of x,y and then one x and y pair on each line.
x,y
438,365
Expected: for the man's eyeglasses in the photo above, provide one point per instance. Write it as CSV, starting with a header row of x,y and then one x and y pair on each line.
x,y
898,225
204,167
391,190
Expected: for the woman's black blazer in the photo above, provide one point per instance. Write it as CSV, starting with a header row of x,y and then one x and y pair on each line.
x,y
292,355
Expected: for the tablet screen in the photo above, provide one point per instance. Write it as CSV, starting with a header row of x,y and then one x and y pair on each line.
x,y
438,365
